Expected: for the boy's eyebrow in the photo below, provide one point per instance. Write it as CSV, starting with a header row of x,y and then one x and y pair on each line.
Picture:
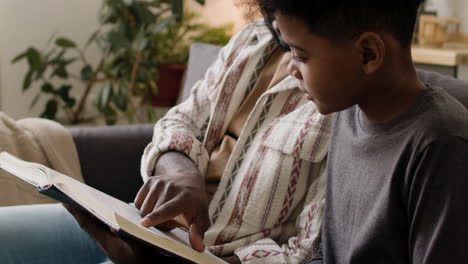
x,y
278,32
294,46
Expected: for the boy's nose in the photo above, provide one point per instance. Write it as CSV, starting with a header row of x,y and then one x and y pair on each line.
x,y
293,71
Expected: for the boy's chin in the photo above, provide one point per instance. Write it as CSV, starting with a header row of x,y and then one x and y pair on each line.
x,y
326,109
323,110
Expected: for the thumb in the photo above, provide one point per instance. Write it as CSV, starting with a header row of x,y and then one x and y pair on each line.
x,y
197,231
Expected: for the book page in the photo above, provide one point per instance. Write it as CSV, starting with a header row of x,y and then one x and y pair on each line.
x,y
166,243
27,171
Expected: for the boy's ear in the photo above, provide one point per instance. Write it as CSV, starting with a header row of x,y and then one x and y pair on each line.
x,y
371,48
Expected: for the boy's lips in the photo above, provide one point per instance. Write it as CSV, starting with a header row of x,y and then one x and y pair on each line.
x,y
301,87
308,95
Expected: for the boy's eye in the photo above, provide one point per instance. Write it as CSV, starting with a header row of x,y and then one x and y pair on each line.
x,y
297,58
284,47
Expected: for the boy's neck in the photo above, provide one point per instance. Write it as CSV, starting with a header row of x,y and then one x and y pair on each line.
x,y
393,93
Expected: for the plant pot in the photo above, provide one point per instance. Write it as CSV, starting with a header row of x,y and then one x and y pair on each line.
x,y
169,84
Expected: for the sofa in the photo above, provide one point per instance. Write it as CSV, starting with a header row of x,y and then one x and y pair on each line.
x,y
110,155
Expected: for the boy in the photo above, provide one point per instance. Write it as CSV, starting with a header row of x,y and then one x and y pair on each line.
x,y
291,242
397,159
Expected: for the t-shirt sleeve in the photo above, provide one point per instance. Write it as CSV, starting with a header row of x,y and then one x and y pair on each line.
x,y
437,200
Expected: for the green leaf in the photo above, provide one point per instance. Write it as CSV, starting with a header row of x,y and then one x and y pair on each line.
x,y
50,53
60,69
157,3
111,121
201,2
47,88
118,67
50,110
28,79
151,115
139,41
130,118
34,58
68,61
40,71
58,58
20,57
154,87
121,98
120,102
87,73
65,43
71,102
108,14
117,39
143,44
162,24
178,9
34,101
61,72
51,38
64,94
92,38
35,62
110,115
105,95
142,13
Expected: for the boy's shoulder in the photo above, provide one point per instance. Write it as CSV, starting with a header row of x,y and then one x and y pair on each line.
x,y
441,116
434,116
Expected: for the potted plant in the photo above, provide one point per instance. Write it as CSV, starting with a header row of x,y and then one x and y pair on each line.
x,y
172,44
124,76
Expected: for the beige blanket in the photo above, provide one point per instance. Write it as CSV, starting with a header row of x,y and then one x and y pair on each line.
x,y
37,140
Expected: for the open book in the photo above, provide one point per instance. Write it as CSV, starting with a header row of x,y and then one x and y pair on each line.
x,y
119,215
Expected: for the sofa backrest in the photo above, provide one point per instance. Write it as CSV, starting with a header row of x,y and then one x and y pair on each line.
x,y
201,57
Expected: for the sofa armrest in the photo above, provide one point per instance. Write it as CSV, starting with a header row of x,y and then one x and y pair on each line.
x,y
110,157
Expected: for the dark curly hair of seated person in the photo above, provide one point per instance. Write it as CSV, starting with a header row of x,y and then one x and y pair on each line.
x,y
342,20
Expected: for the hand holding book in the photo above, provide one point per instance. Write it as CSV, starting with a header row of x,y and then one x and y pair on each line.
x,y
120,249
132,237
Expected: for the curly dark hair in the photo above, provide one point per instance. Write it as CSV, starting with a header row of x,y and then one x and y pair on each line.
x,y
342,19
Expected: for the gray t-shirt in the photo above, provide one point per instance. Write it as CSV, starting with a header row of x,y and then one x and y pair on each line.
x,y
398,192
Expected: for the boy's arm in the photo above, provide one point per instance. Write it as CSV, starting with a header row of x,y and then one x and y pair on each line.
x,y
437,200
305,245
